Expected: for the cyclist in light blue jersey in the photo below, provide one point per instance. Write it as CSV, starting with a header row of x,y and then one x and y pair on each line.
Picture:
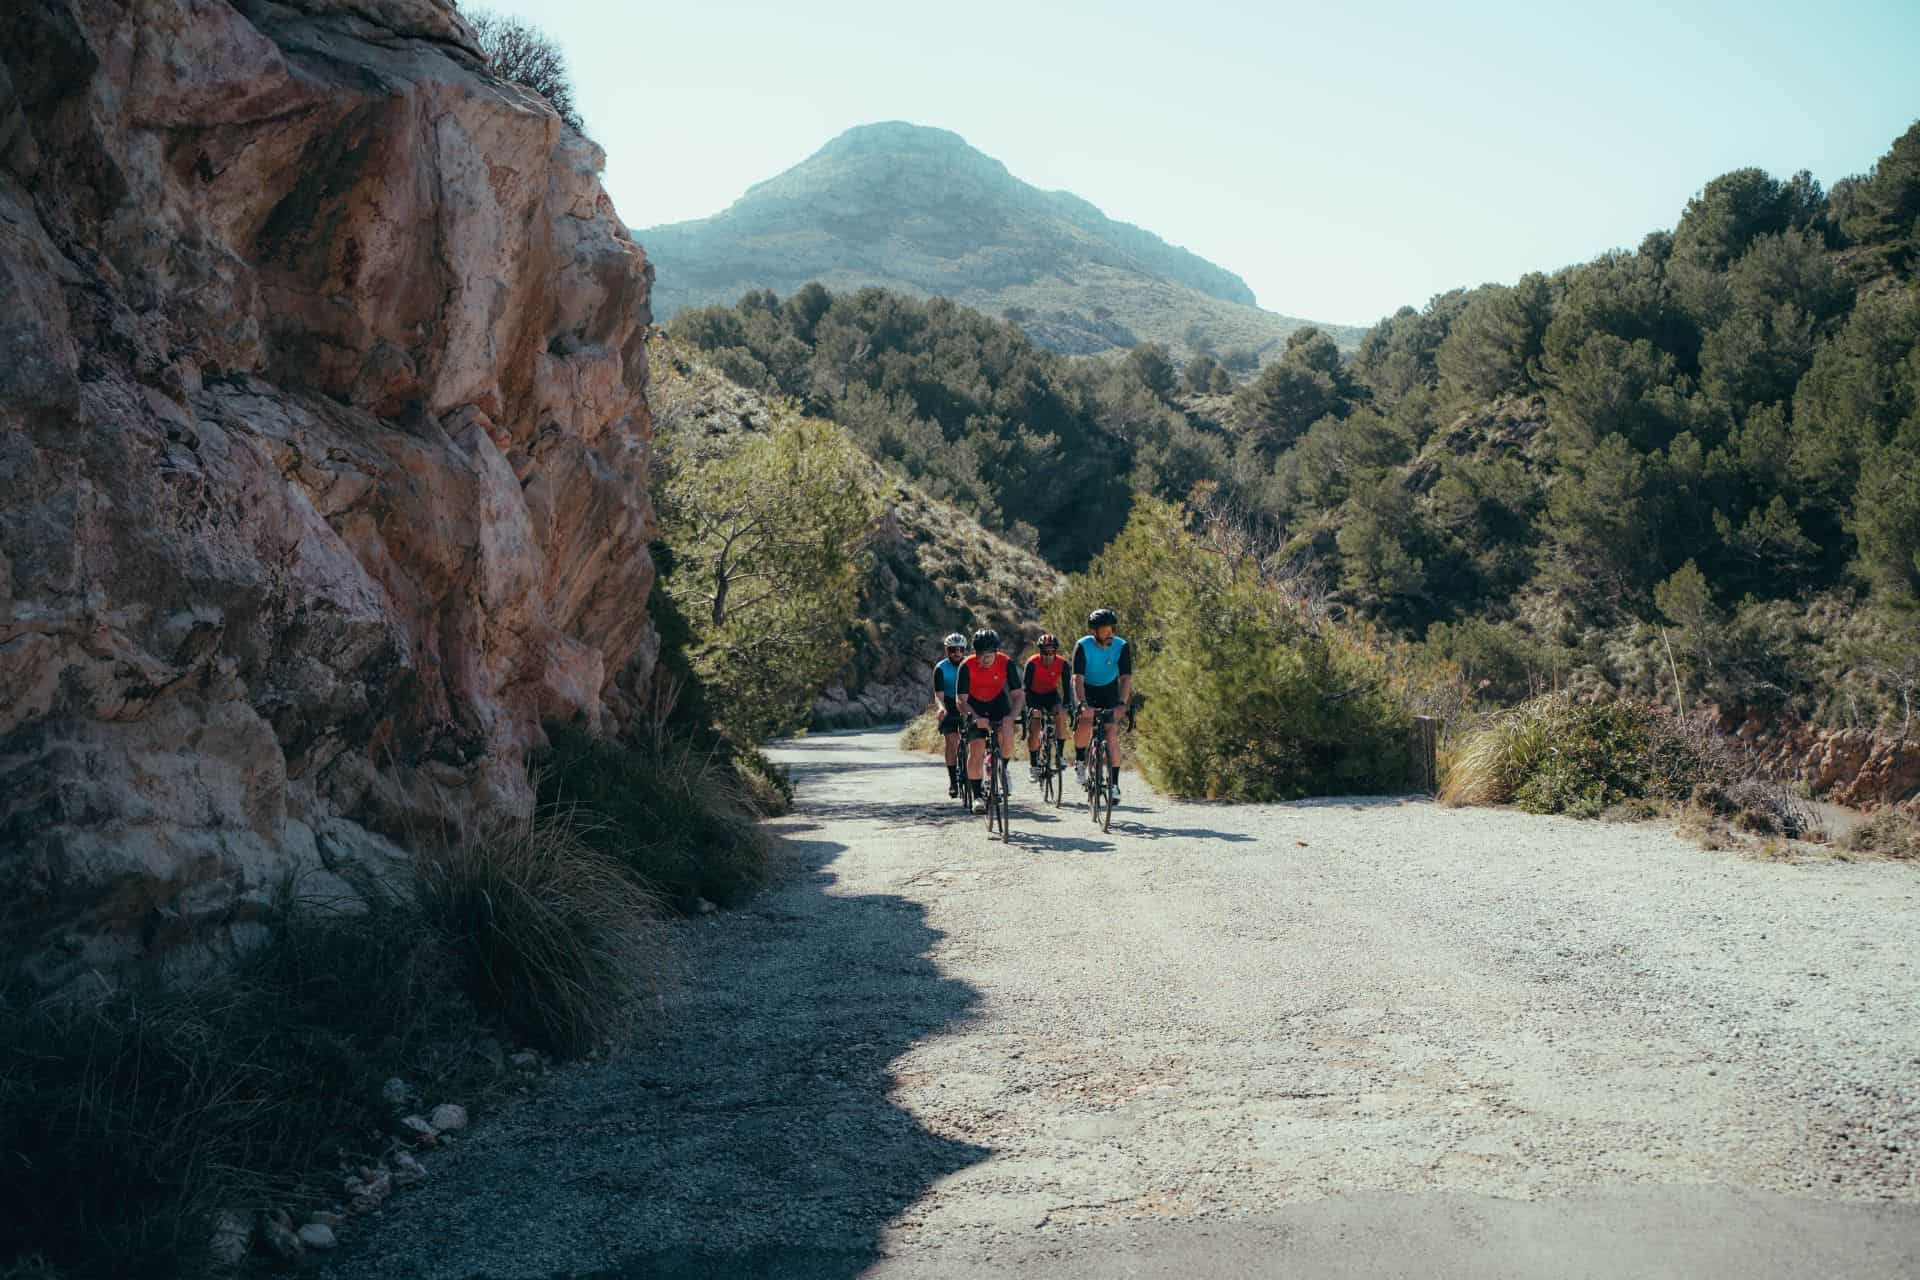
x,y
946,688
1102,677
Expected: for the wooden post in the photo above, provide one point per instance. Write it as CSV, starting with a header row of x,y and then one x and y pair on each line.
x,y
1425,744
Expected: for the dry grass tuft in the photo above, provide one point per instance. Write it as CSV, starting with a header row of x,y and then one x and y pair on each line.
x,y
1889,834
555,934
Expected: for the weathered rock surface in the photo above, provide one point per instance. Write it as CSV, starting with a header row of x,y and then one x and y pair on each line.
x,y
322,453
1847,766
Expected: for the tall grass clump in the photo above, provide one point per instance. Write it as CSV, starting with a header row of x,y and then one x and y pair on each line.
x,y
1553,754
675,815
923,734
548,929
128,1121
1250,691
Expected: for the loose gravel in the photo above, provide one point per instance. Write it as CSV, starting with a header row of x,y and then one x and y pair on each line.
x,y
924,1043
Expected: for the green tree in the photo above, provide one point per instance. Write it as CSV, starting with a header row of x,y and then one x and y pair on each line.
x,y
1494,345
1200,373
1862,392
1735,209
1602,522
1152,367
1376,562
1886,523
767,531
1883,209
1307,383
1400,354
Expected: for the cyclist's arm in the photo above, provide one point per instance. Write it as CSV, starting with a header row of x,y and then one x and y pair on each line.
x,y
1079,676
1126,675
1016,686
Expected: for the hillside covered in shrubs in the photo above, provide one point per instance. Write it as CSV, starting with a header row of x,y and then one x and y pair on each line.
x,y
1688,472
836,637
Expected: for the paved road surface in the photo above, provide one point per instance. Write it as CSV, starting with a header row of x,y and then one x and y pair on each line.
x,y
1347,1038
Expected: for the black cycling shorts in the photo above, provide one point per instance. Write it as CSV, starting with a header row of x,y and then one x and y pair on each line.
x,y
1049,701
1103,695
949,722
998,709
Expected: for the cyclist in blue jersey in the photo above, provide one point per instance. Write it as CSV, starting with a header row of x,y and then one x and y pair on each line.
x,y
1102,677
946,690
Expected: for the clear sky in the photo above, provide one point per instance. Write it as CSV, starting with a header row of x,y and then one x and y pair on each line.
x,y
1345,158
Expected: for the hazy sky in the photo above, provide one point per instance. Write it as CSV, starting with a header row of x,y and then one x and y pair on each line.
x,y
1343,158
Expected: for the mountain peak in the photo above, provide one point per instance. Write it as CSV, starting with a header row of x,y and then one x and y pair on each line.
x,y
896,135
919,209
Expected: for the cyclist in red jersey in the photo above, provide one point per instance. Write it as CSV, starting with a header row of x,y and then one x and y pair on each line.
x,y
1043,676
989,692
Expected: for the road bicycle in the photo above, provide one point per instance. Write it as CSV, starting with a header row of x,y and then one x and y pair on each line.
x,y
1100,770
993,782
1053,767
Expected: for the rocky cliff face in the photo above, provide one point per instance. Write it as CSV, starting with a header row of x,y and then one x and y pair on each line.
x,y
322,451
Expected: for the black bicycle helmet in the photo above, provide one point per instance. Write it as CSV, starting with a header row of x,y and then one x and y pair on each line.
x,y
986,640
1102,618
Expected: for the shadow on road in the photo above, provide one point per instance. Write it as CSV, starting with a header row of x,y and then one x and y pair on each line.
x,y
834,768
1127,826
1058,844
932,811
756,1132
748,1133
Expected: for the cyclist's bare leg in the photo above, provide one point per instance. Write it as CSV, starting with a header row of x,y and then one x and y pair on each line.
x,y
1083,731
977,751
953,750
1008,736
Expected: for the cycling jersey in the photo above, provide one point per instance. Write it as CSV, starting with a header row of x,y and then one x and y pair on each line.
x,y
946,677
1043,676
986,681
1101,666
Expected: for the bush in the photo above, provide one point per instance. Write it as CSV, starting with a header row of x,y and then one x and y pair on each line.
x,y
549,929
767,787
675,816
1890,834
1555,755
1255,700
523,54
923,734
1256,696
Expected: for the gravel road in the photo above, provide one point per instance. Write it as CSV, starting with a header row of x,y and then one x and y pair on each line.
x,y
1352,1037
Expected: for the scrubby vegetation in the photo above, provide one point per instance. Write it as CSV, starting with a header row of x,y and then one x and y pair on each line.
x,y
961,404
1556,754
1256,692
523,54
129,1122
927,567
1889,834
676,816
